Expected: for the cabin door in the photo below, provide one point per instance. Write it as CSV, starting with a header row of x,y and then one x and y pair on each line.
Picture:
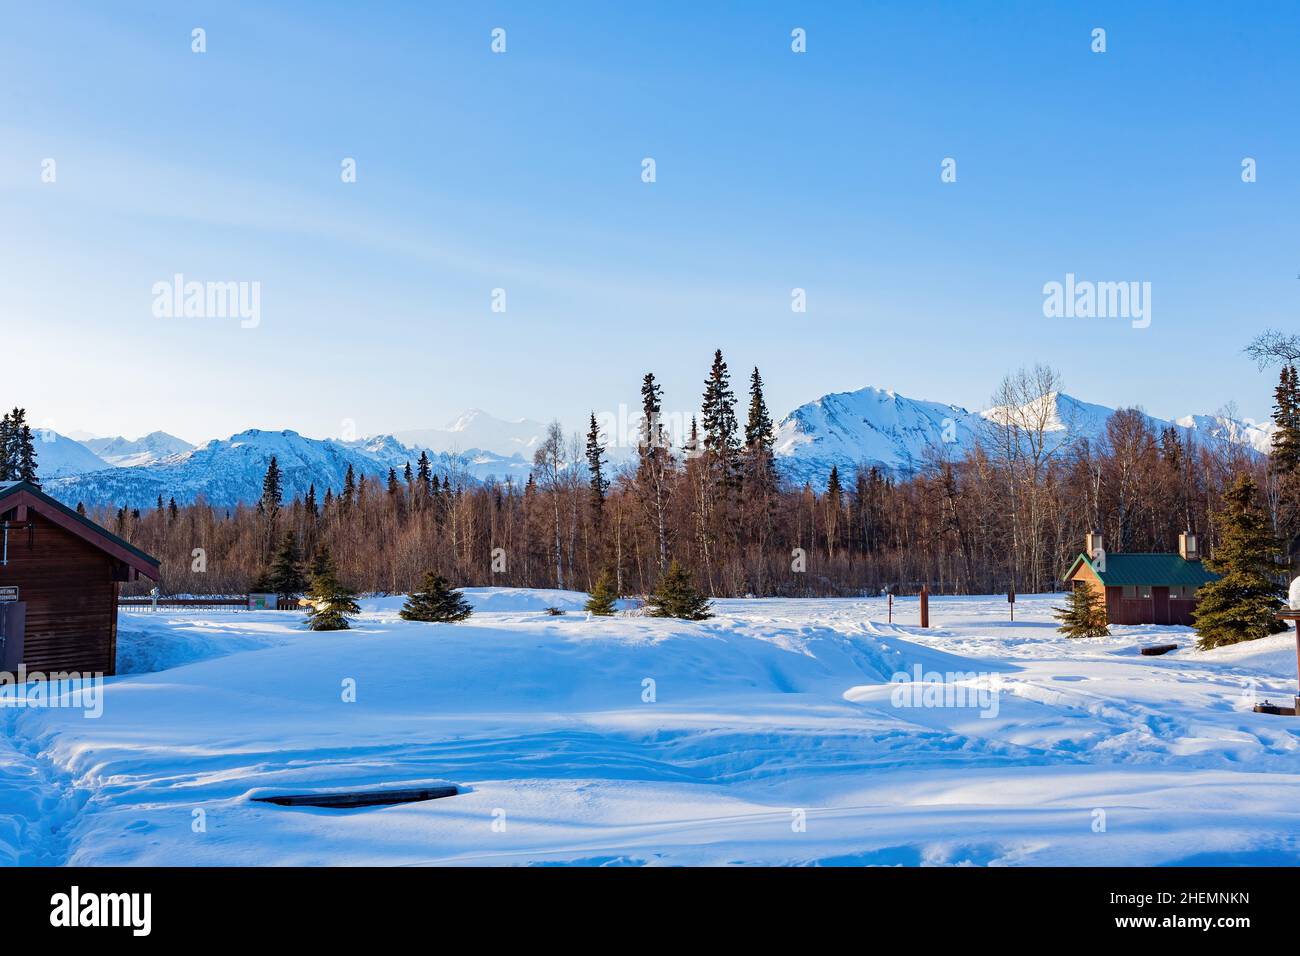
x,y
1160,600
13,622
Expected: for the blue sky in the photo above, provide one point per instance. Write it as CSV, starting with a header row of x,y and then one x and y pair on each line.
x,y
522,171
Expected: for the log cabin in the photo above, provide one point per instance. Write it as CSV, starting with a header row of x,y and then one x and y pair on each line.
x,y
1143,588
59,579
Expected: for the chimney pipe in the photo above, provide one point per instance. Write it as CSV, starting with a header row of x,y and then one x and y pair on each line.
x,y
1095,550
1187,549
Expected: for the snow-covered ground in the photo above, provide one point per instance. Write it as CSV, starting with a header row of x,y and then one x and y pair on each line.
x,y
771,734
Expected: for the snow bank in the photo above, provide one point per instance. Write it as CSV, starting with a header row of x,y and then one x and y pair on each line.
x,y
646,741
150,641
497,600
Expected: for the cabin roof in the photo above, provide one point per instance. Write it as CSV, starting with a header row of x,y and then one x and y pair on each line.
x,y
14,493
1152,570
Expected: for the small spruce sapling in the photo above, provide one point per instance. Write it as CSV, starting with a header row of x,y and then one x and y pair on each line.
x,y
1084,616
677,597
603,595
436,600
332,604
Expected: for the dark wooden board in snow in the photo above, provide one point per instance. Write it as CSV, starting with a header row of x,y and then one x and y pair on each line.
x,y
360,798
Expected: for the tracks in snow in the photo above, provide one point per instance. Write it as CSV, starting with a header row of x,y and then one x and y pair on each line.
x,y
42,800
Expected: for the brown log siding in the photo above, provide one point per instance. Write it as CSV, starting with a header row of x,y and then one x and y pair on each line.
x,y
70,589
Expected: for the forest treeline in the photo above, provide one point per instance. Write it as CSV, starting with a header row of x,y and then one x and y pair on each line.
x,y
1008,512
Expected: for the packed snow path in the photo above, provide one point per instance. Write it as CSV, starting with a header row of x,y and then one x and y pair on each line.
x,y
770,734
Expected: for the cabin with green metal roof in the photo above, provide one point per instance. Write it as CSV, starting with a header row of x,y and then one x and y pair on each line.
x,y
1143,588
60,574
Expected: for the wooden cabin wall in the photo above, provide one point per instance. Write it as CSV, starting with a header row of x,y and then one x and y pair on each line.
x,y
71,596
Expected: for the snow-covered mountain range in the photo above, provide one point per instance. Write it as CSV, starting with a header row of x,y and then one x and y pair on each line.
x,y
127,453
57,455
477,430
228,471
876,426
848,430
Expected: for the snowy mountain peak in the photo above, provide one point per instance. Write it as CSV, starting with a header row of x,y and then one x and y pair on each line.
x,y
878,427
258,436
60,456
475,430
130,453
870,426
468,418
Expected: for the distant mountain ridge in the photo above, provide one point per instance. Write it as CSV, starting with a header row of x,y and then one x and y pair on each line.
x,y
878,427
226,472
59,456
847,430
475,429
146,450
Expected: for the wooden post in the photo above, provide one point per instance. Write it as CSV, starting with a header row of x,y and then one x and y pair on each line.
x,y
925,606
1294,616
891,609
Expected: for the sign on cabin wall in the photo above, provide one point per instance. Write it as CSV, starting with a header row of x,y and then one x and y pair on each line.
x,y
8,594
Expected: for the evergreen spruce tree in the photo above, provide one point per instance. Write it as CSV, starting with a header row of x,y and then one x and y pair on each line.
x,y
652,428
596,469
322,562
1284,463
719,414
759,431
349,488
1085,616
309,502
8,460
172,510
601,600
1242,604
834,490
677,597
332,603
436,600
655,467
25,451
17,450
424,475
286,577
1285,457
272,489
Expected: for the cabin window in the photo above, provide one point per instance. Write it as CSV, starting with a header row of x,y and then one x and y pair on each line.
x,y
1130,591
1186,592
1144,592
